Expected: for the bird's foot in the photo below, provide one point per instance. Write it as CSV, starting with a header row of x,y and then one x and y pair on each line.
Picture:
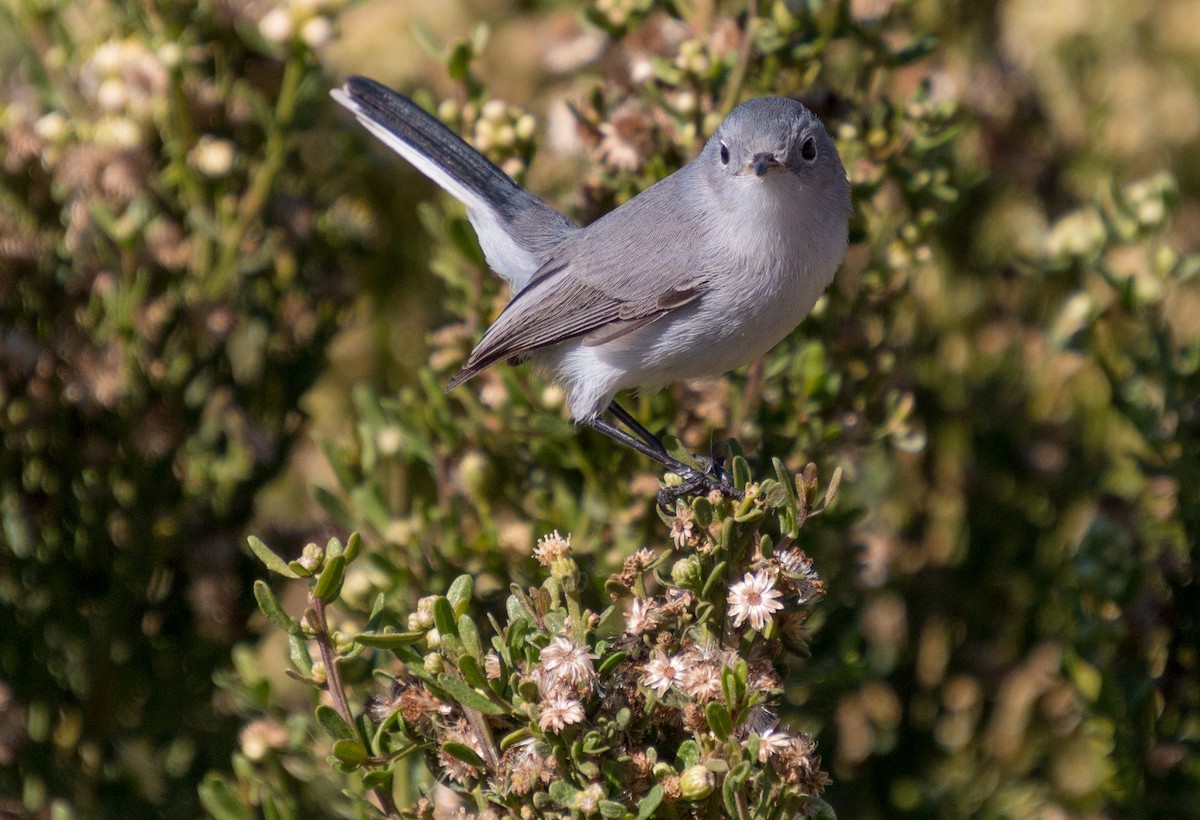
x,y
714,478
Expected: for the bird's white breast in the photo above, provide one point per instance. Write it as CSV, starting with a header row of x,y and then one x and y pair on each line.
x,y
773,252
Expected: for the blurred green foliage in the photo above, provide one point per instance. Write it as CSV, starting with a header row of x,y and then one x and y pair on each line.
x,y
1006,368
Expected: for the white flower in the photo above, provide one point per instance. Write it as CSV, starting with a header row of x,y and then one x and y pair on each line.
x,y
277,26
662,672
568,662
550,547
558,711
753,599
639,619
771,742
317,32
212,156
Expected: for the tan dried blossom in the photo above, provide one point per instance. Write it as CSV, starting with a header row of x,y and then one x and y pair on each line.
x,y
683,528
754,599
552,547
456,768
559,711
568,663
639,562
261,736
491,666
800,767
677,603
527,766
640,618
771,742
702,681
663,671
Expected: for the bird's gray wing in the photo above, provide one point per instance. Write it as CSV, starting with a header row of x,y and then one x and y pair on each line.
x,y
632,267
516,229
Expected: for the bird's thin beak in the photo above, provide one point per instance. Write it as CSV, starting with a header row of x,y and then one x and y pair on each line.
x,y
763,165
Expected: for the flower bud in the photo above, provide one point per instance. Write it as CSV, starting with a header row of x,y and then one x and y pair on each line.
x,y
687,572
312,557
434,664
696,783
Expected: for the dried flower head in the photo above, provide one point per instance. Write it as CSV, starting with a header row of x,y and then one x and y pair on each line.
x,y
663,672
559,711
771,742
258,737
753,599
683,528
640,617
567,662
552,547
454,767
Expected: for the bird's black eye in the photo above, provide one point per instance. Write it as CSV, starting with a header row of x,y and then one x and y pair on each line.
x,y
724,154
809,150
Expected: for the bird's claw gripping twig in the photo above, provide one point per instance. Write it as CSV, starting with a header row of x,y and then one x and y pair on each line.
x,y
695,482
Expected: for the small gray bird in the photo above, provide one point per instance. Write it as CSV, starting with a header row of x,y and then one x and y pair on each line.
x,y
695,276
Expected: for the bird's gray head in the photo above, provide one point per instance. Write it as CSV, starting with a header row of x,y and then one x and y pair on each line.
x,y
774,138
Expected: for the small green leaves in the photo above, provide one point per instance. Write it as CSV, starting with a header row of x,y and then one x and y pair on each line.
x,y
350,752
270,607
333,723
719,720
649,803
463,752
443,617
388,640
467,696
269,559
329,584
459,594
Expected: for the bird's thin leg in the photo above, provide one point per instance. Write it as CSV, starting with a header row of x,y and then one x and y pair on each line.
x,y
622,415
693,479
625,417
658,453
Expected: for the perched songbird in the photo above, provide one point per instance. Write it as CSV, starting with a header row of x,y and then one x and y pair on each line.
x,y
695,276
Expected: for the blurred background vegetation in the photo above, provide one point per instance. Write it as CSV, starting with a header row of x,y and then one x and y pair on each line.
x,y
224,309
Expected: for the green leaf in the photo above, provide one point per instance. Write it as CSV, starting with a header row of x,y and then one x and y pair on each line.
x,y
353,547
460,592
377,779
719,720
329,585
468,633
649,803
388,640
471,671
741,471
611,662
350,752
687,756
467,696
219,799
713,577
513,738
270,560
463,752
269,604
562,793
333,724
443,616
611,808
298,653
